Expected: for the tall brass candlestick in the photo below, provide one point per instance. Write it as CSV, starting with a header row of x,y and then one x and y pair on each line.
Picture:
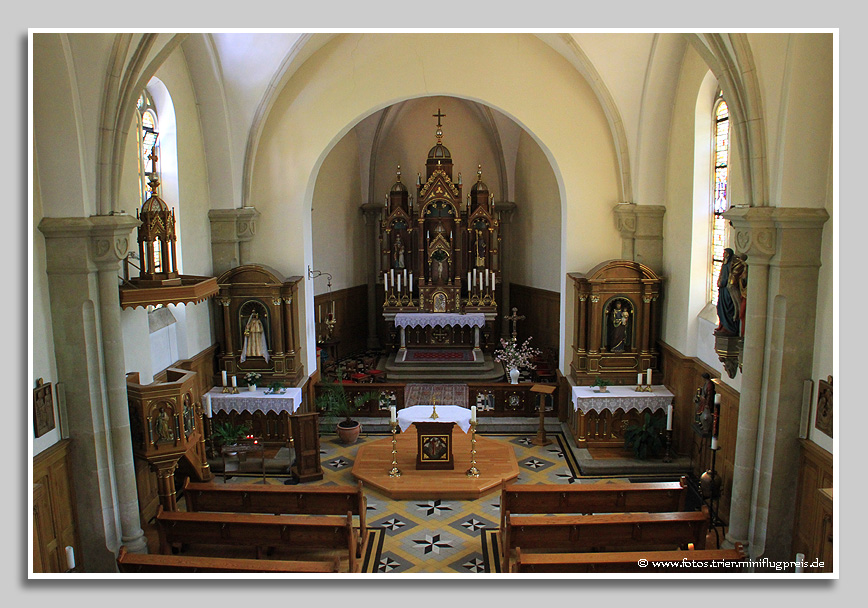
x,y
434,415
473,471
395,471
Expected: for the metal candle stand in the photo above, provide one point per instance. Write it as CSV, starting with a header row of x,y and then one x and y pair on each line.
x,y
473,471
395,471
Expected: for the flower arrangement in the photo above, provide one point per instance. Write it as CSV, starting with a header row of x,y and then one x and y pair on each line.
x,y
514,356
252,378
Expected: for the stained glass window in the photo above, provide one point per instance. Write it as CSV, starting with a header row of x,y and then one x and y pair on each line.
x,y
149,133
720,201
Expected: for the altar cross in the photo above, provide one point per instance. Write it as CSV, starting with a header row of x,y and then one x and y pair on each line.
x,y
515,318
439,116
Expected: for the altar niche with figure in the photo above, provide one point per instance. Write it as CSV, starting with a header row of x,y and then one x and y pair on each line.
x,y
440,257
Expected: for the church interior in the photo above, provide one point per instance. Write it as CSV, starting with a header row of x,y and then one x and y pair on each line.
x,y
317,304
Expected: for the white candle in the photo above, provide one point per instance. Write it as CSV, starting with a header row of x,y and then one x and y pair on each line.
x,y
473,413
468,281
411,282
800,563
714,443
386,281
70,557
493,282
392,275
639,379
393,416
669,418
649,376
399,283
717,399
208,410
234,381
474,276
405,276
487,272
319,312
224,377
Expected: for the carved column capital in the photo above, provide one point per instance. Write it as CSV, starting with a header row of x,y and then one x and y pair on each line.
x,y
625,219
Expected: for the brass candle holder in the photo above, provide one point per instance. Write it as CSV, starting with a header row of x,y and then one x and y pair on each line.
x,y
232,390
394,471
434,415
473,471
643,388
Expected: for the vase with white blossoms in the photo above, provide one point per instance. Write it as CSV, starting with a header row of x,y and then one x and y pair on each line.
x,y
515,356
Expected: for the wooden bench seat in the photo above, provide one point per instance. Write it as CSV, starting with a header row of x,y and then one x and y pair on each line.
x,y
658,497
280,500
301,535
628,561
138,563
609,532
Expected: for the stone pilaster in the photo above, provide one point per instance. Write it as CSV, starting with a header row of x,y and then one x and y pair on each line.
x,y
641,229
83,262
231,233
783,246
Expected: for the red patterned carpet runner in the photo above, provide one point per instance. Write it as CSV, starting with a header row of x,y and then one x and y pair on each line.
x,y
439,355
446,394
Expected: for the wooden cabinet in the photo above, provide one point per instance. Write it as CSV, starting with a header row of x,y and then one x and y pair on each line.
x,y
812,528
54,521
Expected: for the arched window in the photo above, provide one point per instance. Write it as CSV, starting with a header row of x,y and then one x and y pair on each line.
x,y
149,154
719,192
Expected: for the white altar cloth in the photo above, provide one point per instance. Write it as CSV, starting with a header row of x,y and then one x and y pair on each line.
x,y
251,401
445,413
443,319
585,399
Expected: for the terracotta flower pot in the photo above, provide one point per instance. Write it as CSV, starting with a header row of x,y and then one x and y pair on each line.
x,y
348,432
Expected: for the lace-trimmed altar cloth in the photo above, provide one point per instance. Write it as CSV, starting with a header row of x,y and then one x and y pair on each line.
x,y
443,319
445,413
252,401
625,398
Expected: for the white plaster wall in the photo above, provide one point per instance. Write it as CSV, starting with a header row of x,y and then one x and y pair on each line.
x,y
535,228
327,96
337,222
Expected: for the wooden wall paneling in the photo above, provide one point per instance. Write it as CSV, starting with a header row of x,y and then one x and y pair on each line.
x,y
815,474
351,316
54,508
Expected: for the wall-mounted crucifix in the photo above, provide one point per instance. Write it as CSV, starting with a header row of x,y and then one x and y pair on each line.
x,y
515,318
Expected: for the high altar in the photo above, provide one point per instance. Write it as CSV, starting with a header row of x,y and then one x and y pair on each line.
x,y
440,260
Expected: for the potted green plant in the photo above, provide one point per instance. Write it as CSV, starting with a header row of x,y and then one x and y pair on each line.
x,y
645,439
601,384
338,406
226,433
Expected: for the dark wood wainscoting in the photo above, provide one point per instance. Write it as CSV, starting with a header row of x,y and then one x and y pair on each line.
x,y
54,518
542,311
351,316
683,375
812,529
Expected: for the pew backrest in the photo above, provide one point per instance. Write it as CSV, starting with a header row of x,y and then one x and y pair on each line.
x,y
145,563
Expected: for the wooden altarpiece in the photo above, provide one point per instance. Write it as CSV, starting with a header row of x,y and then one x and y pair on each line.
x,y
257,291
440,256
617,309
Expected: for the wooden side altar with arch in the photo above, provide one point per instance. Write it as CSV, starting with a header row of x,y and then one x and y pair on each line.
x,y
255,290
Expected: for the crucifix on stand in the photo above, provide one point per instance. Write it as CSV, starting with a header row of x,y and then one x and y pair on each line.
x,y
515,318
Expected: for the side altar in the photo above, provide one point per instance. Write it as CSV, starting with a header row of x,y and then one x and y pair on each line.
x,y
440,268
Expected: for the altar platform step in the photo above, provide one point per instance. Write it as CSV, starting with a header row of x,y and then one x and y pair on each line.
x,y
486,370
507,425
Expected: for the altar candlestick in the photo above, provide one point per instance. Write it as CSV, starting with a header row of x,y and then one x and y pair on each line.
x,y
669,418
639,379
234,382
208,410
393,417
332,313
473,413
649,376
70,558
714,443
224,378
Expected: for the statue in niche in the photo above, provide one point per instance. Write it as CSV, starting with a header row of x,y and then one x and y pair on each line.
x,y
162,428
618,327
480,249
254,339
399,253
727,305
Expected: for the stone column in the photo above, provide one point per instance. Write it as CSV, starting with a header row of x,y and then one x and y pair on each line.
x,y
641,229
82,264
783,246
372,239
231,233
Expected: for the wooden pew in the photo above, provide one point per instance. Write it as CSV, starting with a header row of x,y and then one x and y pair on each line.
x,y
279,533
597,533
659,497
138,563
280,500
628,561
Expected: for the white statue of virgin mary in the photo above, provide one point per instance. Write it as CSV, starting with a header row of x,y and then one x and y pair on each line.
x,y
254,339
